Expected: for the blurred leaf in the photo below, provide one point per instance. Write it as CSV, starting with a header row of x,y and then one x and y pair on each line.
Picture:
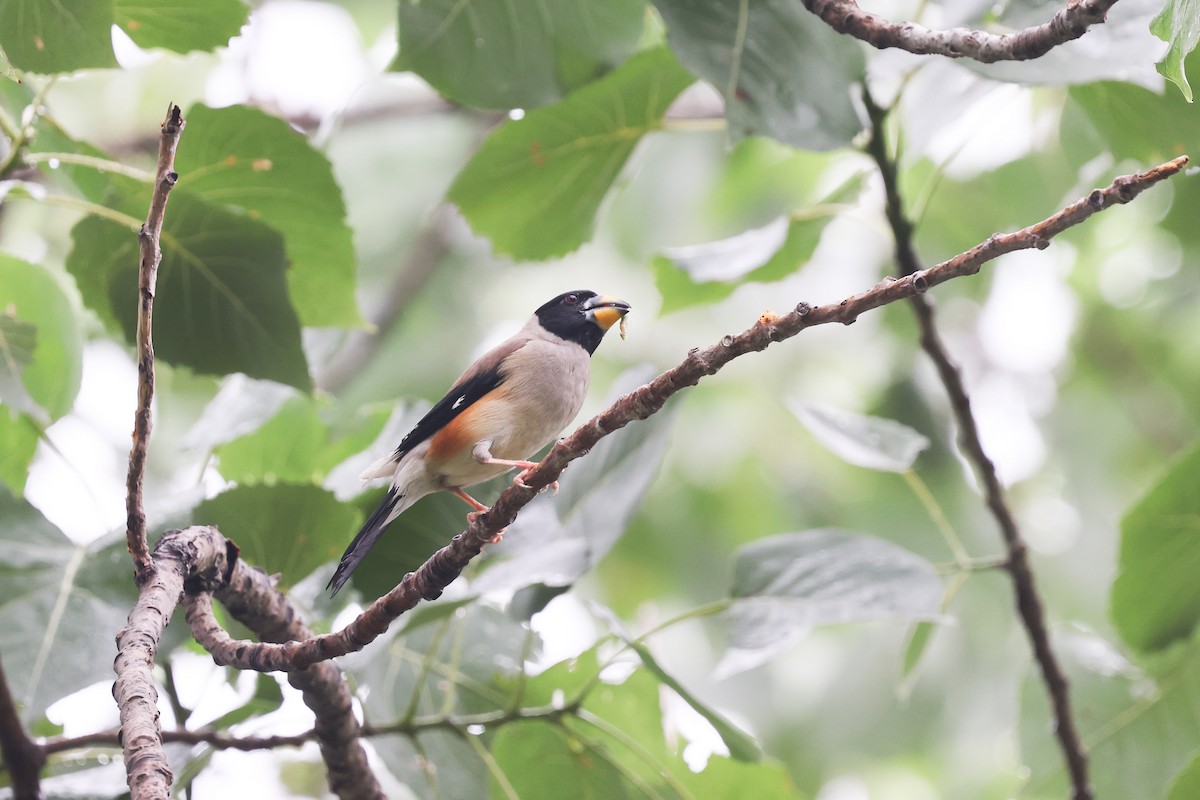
x,y
1155,598
786,584
288,529
871,442
733,258
678,272
103,187
257,166
543,761
1140,725
1178,24
1187,783
536,184
1137,123
267,697
723,778
54,37
18,443
918,642
556,540
763,57
59,597
520,54
32,301
434,764
221,304
742,746
285,449
181,27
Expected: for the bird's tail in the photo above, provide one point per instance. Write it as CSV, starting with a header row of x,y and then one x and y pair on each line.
x,y
393,503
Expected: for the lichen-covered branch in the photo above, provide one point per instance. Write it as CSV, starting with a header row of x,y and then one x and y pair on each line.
x,y
199,559
1028,600
844,16
446,564
150,254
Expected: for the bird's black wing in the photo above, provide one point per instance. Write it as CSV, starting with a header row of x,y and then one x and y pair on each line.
x,y
456,401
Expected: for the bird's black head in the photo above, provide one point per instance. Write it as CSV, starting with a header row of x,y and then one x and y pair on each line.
x,y
581,316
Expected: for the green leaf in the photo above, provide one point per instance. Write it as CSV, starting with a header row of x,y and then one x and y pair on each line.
x,y
536,184
18,443
1137,123
865,441
221,304
287,529
786,584
256,165
763,56
181,27
50,366
1140,724
1178,24
1155,598
742,746
59,596
285,449
543,761
1187,784
710,272
519,54
54,37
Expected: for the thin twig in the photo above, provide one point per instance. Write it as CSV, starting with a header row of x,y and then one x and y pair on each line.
x,y
446,564
150,257
1029,604
23,758
844,16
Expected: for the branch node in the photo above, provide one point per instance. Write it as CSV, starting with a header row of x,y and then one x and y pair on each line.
x,y
1096,198
802,308
919,284
1041,243
726,341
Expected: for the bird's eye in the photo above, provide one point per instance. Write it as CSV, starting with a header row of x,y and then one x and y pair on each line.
x,y
571,299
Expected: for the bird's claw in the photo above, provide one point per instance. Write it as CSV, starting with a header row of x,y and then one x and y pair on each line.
x,y
523,474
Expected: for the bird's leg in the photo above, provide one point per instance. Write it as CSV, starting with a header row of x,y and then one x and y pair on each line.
x,y
479,509
483,454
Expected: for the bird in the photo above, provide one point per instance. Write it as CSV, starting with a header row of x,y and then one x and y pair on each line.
x,y
509,404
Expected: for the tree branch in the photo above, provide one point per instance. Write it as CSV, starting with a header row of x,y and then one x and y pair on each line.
x,y
150,257
844,16
254,601
201,559
1029,604
446,564
23,758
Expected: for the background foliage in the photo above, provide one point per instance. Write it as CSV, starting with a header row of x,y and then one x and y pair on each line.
x,y
778,587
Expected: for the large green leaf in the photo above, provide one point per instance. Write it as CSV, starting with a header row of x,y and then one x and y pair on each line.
x,y
222,303
862,440
1178,24
1138,123
535,185
63,604
181,27
1140,725
786,584
59,36
289,529
1156,598
41,348
296,445
257,166
543,761
519,54
783,72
